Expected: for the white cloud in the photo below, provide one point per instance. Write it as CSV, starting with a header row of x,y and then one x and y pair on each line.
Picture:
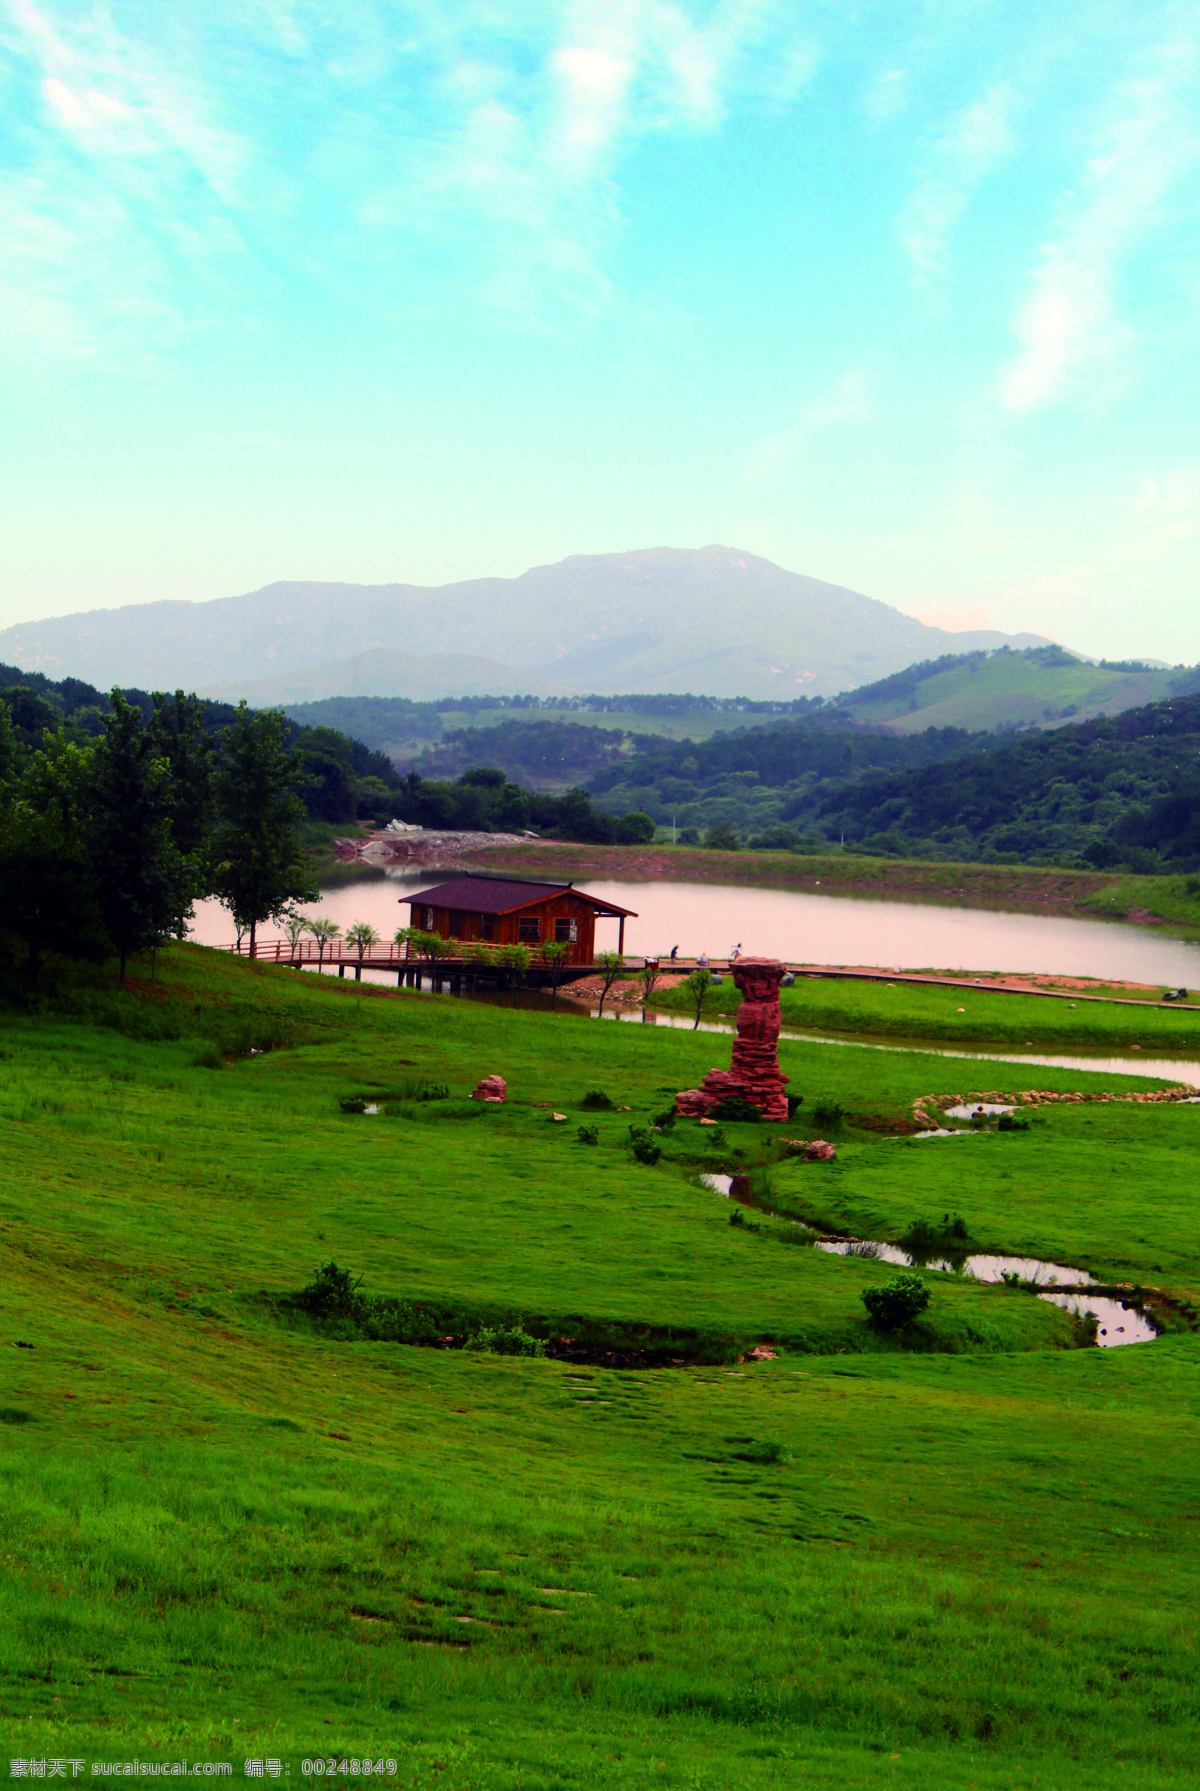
x,y
974,142
887,96
1069,321
851,399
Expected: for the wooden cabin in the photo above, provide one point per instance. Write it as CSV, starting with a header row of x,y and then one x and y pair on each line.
x,y
511,911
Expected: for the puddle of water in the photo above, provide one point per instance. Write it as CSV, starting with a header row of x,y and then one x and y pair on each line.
x,y
987,1107
1117,1323
936,1132
1160,1069
372,1107
975,1267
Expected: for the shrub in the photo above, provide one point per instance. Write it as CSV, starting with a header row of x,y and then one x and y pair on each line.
x,y
330,1290
828,1115
588,1134
768,1451
643,1146
923,1236
664,1121
1010,1123
722,838
353,1103
794,1103
596,1101
896,1303
207,1057
495,1340
733,1107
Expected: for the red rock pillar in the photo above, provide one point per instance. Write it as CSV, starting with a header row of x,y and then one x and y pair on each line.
x,y
754,1074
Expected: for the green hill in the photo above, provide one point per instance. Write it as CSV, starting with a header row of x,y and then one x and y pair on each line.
x,y
1035,687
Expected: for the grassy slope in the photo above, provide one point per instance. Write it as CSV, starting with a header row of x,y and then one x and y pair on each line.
x,y
1019,888
977,1019
192,1557
696,724
1014,690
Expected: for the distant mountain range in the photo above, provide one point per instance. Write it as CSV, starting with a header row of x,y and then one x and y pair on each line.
x,y
712,620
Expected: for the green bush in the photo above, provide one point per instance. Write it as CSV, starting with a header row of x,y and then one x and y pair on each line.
x,y
495,1340
207,1057
924,1236
896,1303
643,1146
733,1107
588,1134
828,1115
330,1291
596,1101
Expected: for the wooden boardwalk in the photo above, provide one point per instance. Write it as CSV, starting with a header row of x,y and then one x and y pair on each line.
x,y
412,969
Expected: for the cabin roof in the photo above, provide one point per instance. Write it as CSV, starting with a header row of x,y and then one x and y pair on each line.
x,y
503,895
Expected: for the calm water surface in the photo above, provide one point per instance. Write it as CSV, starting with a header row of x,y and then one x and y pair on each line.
x,y
807,928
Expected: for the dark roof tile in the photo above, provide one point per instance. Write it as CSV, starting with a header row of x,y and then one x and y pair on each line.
x,y
500,895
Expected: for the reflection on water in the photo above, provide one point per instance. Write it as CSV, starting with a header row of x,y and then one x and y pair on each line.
x,y
803,928
815,929
1116,1322
977,1267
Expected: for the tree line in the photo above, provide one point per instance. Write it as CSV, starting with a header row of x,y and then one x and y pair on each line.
x,y
117,815
106,843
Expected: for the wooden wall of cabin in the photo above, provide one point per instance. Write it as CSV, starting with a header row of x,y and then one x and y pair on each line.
x,y
506,927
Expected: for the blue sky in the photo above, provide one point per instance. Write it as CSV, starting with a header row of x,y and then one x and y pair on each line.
x,y
901,296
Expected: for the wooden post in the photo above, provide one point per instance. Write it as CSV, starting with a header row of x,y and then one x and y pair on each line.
x,y
358,973
621,936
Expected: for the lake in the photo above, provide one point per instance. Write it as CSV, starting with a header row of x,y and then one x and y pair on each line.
x,y
805,928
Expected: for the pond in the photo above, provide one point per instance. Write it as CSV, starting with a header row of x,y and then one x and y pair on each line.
x,y
1117,1321
806,928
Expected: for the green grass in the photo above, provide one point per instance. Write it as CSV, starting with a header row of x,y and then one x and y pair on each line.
x,y
1016,689
229,1533
975,1018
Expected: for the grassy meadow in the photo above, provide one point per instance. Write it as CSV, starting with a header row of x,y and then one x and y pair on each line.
x,y
978,1019
964,1557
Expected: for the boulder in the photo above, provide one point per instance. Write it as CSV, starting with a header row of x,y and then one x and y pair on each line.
x,y
492,1088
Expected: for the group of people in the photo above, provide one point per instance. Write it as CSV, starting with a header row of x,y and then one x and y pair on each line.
x,y
702,960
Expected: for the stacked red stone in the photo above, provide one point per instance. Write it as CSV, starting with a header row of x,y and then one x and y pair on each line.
x,y
754,1074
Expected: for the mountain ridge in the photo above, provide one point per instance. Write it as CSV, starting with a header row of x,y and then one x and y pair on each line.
x,y
717,620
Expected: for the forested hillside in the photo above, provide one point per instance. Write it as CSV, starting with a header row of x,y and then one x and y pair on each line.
x,y
342,779
1115,790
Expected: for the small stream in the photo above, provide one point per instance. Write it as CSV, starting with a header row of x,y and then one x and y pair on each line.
x,y
1116,1321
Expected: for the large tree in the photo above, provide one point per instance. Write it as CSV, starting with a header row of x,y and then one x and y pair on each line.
x,y
258,859
179,736
144,884
47,889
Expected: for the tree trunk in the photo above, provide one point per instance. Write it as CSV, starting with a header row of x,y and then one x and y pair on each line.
x,y
253,935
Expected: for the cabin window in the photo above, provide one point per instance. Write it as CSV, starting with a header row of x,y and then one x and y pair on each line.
x,y
566,930
529,929
427,919
457,920
487,926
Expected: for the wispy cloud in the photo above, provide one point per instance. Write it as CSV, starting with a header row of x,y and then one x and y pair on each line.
x,y
851,399
975,141
202,136
1069,321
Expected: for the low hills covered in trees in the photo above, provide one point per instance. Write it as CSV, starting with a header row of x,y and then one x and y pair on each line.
x,y
1121,790
119,812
